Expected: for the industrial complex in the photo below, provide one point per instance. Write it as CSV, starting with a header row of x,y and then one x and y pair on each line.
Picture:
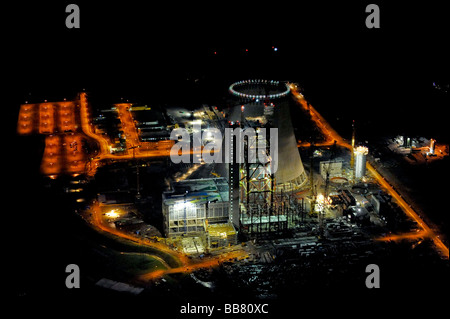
x,y
227,160
317,200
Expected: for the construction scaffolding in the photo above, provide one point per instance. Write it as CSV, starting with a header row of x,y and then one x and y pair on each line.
x,y
266,200
264,210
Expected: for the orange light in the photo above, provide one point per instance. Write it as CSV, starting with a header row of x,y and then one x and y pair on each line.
x,y
332,136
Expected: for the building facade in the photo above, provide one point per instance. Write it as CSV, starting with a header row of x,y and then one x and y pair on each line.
x,y
193,207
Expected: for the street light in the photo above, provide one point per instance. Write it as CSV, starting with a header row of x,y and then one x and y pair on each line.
x,y
112,213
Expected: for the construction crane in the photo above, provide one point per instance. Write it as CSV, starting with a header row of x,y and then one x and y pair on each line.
x,y
352,159
213,171
327,179
311,178
327,183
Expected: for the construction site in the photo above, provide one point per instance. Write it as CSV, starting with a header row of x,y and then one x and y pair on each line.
x,y
323,215
266,201
313,214
277,204
165,159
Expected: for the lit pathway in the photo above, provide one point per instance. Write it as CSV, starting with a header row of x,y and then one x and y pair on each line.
x,y
186,265
331,136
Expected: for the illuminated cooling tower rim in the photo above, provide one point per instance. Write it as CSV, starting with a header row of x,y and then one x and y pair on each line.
x,y
362,150
235,89
360,161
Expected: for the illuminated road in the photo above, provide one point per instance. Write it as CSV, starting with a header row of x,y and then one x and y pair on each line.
x,y
65,124
205,263
135,148
144,149
88,128
186,265
97,221
332,136
413,235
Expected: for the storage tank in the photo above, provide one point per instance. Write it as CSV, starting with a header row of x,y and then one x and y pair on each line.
x,y
432,144
360,161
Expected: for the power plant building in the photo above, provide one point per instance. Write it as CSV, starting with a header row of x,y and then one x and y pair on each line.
x,y
197,207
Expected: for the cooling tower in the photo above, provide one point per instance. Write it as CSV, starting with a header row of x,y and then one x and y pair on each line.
x,y
264,200
268,101
291,173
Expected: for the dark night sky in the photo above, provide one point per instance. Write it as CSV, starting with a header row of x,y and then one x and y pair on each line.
x,y
144,51
116,40
131,45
